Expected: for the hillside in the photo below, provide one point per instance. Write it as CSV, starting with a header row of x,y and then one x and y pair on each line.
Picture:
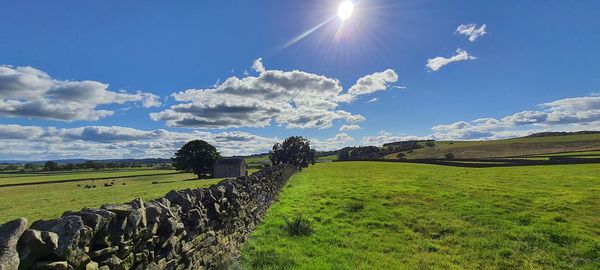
x,y
518,147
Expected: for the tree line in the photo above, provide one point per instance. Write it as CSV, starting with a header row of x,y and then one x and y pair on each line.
x,y
374,152
52,166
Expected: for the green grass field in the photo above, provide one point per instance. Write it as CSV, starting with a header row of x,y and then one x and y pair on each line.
x,y
507,148
51,200
376,215
579,154
257,159
12,178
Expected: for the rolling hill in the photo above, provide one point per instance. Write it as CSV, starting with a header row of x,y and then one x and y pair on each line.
x,y
517,147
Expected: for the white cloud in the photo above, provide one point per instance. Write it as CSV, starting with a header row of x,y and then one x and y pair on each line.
x,y
340,140
377,81
150,100
102,142
296,99
472,31
569,114
457,125
386,137
349,127
33,142
434,64
258,66
372,100
8,132
32,93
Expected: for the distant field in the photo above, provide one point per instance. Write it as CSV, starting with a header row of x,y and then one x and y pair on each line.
x,y
579,154
378,215
261,160
52,199
11,178
508,148
257,159
327,158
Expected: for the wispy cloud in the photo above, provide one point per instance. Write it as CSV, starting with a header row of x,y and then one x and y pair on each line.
x,y
349,127
372,100
434,64
472,31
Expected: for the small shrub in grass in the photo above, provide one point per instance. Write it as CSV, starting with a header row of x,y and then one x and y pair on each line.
x,y
298,227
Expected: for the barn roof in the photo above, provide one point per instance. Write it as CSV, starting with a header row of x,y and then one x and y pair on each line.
x,y
230,161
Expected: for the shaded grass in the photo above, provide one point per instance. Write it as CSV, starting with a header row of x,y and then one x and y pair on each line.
x,y
417,216
52,199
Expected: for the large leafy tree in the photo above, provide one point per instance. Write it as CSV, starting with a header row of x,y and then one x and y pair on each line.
x,y
294,150
196,156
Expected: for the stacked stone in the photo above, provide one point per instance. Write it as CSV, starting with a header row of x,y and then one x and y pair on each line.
x,y
186,229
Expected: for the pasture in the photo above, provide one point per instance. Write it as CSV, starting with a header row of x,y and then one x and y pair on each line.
x,y
518,147
377,215
50,200
15,178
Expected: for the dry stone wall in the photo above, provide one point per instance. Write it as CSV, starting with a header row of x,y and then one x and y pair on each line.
x,y
186,229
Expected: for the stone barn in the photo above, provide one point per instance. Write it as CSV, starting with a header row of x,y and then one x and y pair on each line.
x,y
230,167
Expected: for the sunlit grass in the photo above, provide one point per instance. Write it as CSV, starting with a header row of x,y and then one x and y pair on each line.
x,y
11,178
369,215
52,199
507,148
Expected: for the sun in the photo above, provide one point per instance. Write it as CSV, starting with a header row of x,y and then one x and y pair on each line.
x,y
345,10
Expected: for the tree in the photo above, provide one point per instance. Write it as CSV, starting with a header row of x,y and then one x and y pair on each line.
x,y
430,144
29,167
449,156
294,150
401,155
11,167
50,166
91,165
196,156
344,154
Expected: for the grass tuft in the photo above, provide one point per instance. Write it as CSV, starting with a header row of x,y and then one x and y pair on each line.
x,y
356,206
298,227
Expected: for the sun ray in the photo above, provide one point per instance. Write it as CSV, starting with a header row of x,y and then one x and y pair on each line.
x,y
306,33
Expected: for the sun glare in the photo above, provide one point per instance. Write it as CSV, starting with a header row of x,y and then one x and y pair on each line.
x,y
345,10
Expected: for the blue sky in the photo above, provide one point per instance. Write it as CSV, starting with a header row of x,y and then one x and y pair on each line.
x,y
529,53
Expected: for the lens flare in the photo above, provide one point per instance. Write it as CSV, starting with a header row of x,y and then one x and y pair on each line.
x,y
345,10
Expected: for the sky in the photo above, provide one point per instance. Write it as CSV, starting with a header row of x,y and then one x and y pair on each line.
x,y
137,79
